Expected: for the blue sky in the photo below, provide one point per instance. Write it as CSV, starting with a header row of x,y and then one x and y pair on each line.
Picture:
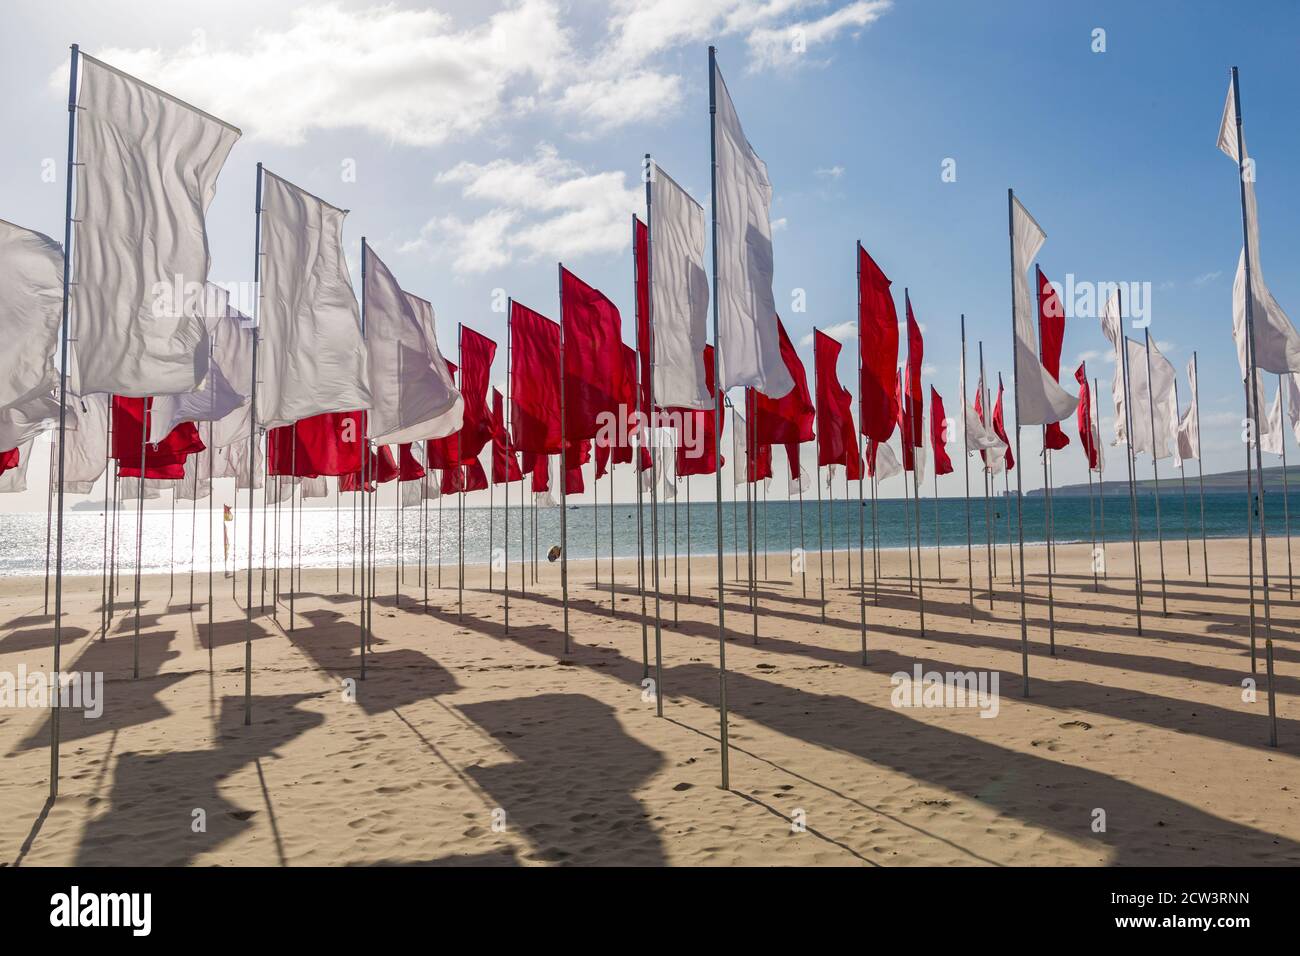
x,y
490,140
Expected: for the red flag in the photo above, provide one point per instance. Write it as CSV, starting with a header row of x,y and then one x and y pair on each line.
x,y
999,429
837,441
408,469
592,356
1084,415
915,356
790,417
641,278
534,381
379,470
758,455
476,354
475,476
573,481
878,340
541,471
164,460
703,428
326,444
938,429
505,466
9,459
1051,332
443,452
909,461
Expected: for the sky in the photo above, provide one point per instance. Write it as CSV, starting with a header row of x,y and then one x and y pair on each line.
x,y
476,144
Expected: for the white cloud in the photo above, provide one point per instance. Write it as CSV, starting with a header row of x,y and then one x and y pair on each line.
x,y
421,77
844,332
788,45
1206,277
779,224
546,205
410,75
831,172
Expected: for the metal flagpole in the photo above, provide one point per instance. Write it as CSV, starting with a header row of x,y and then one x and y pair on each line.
x,y
1286,513
830,514
916,498
440,541
613,610
638,447
595,521
65,337
105,587
654,443
862,468
252,455
735,501
965,457
1182,477
907,520
687,482
1200,472
1128,454
1155,467
675,539
49,529
463,475
803,547
938,540
875,541
986,472
817,478
139,530
1092,523
337,567
751,454
401,534
1255,402
564,470
293,523
821,545
508,415
1101,481
848,531
1047,501
720,389
1020,516
365,477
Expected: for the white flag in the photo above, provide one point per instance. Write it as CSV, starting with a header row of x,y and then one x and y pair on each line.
x,y
1040,398
1151,401
1277,344
27,419
1189,442
223,395
315,488
413,396
679,295
129,491
148,167
14,480
31,311
194,486
86,453
312,357
1293,403
231,461
887,465
749,350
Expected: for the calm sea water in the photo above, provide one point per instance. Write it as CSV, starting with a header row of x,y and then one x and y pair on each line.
x,y
321,536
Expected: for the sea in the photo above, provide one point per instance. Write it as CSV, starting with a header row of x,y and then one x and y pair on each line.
x,y
327,536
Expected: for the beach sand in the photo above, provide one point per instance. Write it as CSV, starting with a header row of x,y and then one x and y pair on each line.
x,y
468,745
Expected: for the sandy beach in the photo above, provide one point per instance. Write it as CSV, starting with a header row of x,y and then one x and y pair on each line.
x,y
466,745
